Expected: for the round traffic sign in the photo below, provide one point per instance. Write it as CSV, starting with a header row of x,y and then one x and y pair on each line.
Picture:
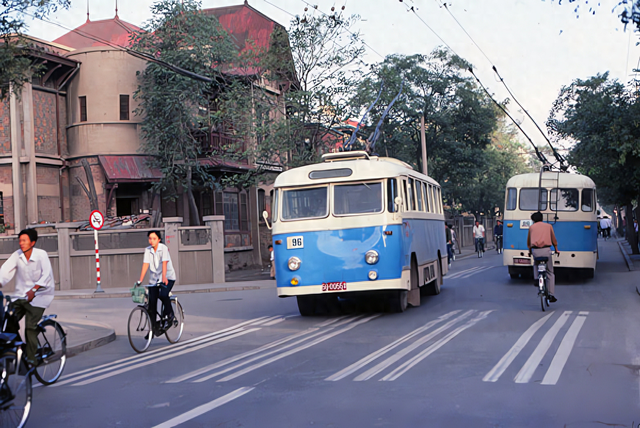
x,y
96,219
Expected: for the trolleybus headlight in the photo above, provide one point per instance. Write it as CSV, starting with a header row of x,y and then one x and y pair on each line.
x,y
371,257
294,263
373,275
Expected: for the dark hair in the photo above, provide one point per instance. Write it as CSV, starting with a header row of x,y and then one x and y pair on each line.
x,y
536,216
157,232
270,246
31,233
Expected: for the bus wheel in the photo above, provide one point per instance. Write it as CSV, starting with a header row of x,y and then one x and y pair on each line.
x,y
433,288
398,301
307,305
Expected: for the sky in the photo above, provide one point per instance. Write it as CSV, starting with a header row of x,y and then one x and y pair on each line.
x,y
538,46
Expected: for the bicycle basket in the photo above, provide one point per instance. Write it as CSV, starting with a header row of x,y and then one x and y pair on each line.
x,y
138,294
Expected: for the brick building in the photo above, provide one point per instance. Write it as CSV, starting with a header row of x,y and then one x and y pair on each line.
x,y
76,124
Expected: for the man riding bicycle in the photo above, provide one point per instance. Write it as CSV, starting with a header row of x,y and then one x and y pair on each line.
x,y
478,236
34,280
497,233
539,241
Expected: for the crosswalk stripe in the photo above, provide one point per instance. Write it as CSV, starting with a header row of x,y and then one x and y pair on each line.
x,y
477,272
405,367
529,368
562,354
298,349
511,355
457,274
166,357
374,355
398,355
200,410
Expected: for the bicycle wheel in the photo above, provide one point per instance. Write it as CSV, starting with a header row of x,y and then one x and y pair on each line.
x,y
52,352
14,412
174,332
139,329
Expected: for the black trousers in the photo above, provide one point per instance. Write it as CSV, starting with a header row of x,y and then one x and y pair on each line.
x,y
160,292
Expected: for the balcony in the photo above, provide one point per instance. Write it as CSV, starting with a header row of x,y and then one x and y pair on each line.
x,y
224,146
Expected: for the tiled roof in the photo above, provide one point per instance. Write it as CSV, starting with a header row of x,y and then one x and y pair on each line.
x,y
113,30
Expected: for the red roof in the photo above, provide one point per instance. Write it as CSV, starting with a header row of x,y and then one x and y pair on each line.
x,y
127,169
244,24
113,30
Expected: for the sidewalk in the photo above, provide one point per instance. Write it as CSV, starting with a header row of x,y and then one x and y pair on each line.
x,y
632,260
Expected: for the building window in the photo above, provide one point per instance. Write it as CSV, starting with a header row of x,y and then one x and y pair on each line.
x,y
124,107
1,210
83,109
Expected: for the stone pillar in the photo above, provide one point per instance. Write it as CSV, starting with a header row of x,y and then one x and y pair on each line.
x,y
31,185
64,253
172,240
16,152
216,225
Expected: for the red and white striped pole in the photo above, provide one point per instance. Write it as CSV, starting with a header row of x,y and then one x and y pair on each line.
x,y
95,237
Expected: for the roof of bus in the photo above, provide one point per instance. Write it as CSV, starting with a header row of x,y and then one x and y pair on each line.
x,y
549,179
372,168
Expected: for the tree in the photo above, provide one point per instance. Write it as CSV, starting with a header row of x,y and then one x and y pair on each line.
x,y
459,118
599,116
15,68
177,109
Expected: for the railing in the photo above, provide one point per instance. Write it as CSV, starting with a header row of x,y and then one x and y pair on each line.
x,y
218,144
195,238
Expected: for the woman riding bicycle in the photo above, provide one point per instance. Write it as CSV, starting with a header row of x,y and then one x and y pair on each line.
x,y
34,280
161,278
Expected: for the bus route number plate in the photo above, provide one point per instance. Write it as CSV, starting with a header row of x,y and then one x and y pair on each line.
x,y
295,242
525,224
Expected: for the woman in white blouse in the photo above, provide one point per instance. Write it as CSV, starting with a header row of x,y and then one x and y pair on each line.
x,y
162,276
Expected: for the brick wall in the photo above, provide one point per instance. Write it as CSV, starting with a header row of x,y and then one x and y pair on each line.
x,y
47,175
45,124
5,127
48,209
80,205
62,129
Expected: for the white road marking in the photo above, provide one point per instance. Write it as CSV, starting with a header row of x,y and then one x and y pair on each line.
x,y
462,272
331,321
402,369
511,355
274,322
161,351
477,272
373,356
298,349
166,357
398,355
529,368
562,354
269,319
200,410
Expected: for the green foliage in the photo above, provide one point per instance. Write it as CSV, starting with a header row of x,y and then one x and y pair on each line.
x,y
15,68
600,116
178,110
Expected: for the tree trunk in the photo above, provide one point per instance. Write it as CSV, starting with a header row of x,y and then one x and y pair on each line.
x,y
631,233
194,216
619,217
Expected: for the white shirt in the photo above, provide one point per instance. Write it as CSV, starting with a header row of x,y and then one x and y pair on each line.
x,y
35,271
155,260
605,223
271,256
478,231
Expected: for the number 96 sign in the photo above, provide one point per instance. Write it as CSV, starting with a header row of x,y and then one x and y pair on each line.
x,y
295,242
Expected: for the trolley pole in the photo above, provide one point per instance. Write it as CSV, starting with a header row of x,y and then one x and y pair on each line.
x,y
97,221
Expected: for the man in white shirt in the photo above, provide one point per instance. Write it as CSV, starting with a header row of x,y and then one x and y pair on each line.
x,y
34,281
478,235
605,225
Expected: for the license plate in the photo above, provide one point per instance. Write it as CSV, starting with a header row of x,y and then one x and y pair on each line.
x,y
295,242
334,286
521,261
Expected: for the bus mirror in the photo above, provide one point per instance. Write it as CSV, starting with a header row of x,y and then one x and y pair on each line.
x,y
398,202
265,216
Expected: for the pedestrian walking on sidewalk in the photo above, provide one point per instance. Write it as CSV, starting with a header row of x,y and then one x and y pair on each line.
x,y
449,243
272,270
605,225
162,276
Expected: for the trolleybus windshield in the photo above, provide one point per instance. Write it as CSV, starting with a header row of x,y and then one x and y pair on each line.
x,y
300,204
358,198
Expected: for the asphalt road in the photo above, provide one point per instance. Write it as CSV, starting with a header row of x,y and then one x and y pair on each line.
x,y
480,354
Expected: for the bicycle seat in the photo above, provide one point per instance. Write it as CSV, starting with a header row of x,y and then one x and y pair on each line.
x,y
541,259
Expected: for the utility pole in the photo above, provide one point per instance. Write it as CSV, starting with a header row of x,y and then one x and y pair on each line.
x,y
423,138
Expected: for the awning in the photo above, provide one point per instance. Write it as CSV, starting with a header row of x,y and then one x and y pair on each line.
x,y
129,169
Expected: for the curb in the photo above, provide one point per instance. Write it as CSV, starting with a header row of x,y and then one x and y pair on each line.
x,y
91,344
627,259
107,295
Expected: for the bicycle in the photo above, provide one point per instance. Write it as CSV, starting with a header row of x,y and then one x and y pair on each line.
x,y
480,247
51,353
543,291
499,244
15,383
140,326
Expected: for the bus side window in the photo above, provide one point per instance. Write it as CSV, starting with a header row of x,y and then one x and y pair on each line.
x,y
392,192
425,189
412,200
404,196
512,196
439,197
419,195
430,192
